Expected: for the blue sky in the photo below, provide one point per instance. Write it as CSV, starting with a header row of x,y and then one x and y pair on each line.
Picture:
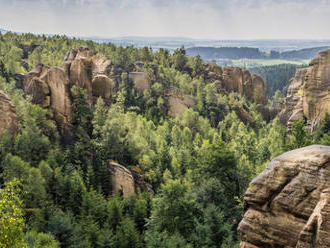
x,y
209,19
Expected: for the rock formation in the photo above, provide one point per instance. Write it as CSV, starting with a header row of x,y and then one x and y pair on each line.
x,y
122,180
235,79
308,94
50,86
8,120
126,182
178,103
288,204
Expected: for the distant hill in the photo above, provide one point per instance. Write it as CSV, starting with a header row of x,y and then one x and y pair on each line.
x,y
209,53
306,53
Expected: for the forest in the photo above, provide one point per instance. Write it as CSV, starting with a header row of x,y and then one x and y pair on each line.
x,y
199,163
209,53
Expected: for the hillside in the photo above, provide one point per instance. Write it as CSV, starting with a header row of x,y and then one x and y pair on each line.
x,y
234,53
109,146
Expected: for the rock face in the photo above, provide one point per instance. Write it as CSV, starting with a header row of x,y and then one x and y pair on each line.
x,y
309,93
288,204
179,103
122,180
50,86
8,120
126,182
234,79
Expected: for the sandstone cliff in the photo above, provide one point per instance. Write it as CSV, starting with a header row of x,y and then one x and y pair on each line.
x,y
288,204
309,93
126,182
8,120
235,79
50,86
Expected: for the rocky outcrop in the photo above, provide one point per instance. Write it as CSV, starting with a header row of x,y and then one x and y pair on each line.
x,y
141,80
90,72
308,94
288,204
8,120
50,86
126,182
235,79
122,180
179,103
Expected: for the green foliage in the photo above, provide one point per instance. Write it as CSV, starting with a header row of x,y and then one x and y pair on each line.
x,y
198,163
40,240
277,77
11,218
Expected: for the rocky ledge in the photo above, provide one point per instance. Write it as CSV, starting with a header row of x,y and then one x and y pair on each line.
x,y
288,204
309,93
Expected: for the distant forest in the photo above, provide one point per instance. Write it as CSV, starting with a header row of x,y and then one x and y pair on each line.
x,y
276,77
209,53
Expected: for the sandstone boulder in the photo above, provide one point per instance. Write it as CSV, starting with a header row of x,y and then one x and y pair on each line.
x,y
8,120
122,180
49,87
235,79
309,93
288,204
126,182
178,103
141,80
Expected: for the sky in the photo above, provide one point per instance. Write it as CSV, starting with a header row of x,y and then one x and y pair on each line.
x,y
200,19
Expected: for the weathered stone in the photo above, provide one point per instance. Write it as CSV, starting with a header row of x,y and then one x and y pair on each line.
x,y
178,103
288,204
49,87
141,80
8,120
235,79
122,180
102,86
309,93
126,182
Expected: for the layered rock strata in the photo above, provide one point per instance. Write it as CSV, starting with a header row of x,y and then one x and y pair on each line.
x,y
308,96
288,204
235,79
8,120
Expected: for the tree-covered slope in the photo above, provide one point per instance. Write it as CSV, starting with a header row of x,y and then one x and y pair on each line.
x,y
198,162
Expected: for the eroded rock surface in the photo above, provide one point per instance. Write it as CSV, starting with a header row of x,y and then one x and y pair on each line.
x,y
126,182
122,180
8,118
235,79
309,93
288,204
50,86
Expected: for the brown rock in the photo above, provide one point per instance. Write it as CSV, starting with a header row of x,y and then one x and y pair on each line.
x,y
235,79
309,93
122,180
49,87
178,103
288,204
141,80
101,87
8,120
